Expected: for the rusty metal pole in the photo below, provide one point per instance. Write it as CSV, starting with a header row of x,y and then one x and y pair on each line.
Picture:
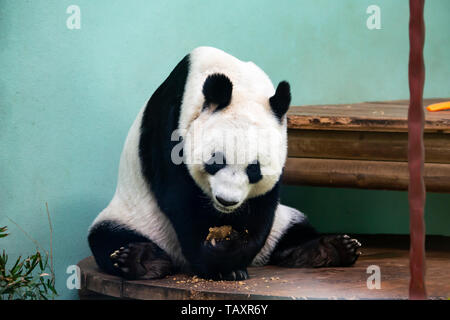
x,y
416,190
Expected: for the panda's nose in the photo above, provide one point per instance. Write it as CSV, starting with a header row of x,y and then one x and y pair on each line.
x,y
226,203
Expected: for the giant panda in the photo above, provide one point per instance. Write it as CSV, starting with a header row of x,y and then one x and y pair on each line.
x,y
178,177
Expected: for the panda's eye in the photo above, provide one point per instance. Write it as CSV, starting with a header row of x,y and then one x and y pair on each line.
x,y
254,172
215,163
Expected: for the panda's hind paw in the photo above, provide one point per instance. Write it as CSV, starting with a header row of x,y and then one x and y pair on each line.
x,y
346,247
141,260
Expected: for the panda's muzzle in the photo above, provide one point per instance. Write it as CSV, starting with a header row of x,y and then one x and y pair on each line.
x,y
228,188
226,203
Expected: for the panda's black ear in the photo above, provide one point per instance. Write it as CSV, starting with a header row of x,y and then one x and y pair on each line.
x,y
217,89
281,100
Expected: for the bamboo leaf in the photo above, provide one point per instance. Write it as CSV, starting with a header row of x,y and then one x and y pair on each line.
x,y
16,266
24,280
41,266
52,288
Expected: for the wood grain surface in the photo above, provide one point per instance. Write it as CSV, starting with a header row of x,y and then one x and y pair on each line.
x,y
285,283
360,145
362,174
365,116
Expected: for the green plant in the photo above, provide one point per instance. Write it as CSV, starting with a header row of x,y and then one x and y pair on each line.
x,y
30,278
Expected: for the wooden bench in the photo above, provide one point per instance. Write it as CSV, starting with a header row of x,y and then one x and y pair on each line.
x,y
364,145
390,253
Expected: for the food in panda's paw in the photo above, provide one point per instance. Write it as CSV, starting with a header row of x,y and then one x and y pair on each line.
x,y
223,233
219,233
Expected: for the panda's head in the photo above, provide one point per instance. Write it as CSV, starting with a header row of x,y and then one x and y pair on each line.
x,y
235,143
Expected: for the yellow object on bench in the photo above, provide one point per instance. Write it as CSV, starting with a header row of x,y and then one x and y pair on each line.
x,y
439,106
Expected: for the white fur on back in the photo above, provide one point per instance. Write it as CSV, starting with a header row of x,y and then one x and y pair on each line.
x,y
134,205
285,217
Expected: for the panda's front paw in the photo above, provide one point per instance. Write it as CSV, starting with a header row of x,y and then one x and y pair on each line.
x,y
141,260
230,245
221,246
234,275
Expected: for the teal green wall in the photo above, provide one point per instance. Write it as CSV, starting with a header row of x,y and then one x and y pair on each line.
x,y
68,97
366,211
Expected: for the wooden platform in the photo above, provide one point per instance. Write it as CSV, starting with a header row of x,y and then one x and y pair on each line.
x,y
390,253
364,145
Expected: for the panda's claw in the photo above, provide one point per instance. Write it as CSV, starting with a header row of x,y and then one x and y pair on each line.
x,y
114,254
357,243
242,274
235,275
230,276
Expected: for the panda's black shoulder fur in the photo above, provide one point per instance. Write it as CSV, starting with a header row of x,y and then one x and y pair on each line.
x,y
159,120
178,196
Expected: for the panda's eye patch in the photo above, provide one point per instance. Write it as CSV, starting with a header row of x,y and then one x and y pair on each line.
x,y
215,163
254,172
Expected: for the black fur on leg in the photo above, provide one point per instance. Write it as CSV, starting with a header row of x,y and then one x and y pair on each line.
x,y
302,246
326,251
124,252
